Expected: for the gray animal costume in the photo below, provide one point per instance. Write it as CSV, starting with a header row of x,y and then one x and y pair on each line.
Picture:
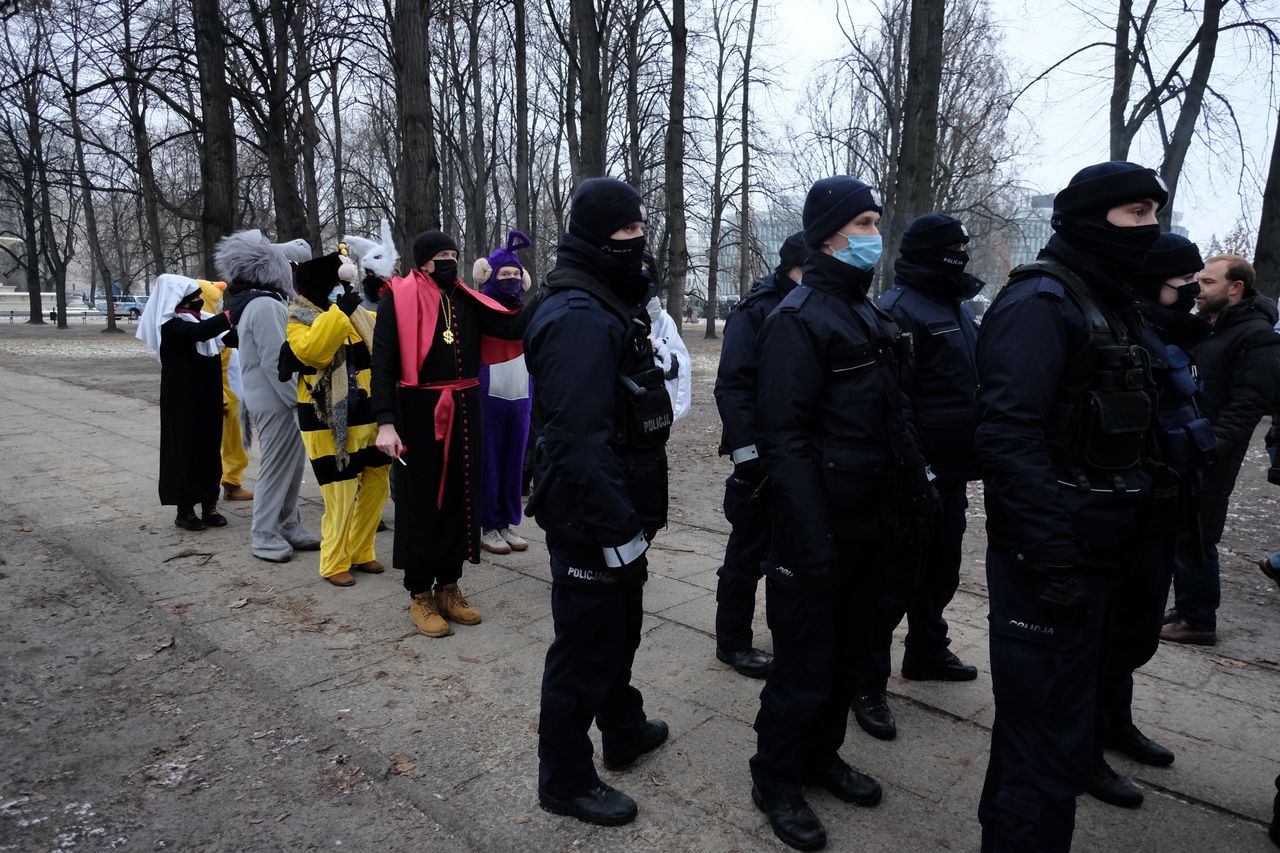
x,y
260,282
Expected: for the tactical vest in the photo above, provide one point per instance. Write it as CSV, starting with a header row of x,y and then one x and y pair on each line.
x,y
1103,421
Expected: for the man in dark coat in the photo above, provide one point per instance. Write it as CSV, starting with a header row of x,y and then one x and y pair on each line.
x,y
1239,365
928,300
601,496
432,334
1065,402
844,469
744,501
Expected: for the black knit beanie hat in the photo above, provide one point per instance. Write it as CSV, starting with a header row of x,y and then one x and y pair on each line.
x,y
831,203
601,206
793,251
931,233
430,243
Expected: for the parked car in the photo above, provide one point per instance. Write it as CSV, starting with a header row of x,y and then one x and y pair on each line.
x,y
125,306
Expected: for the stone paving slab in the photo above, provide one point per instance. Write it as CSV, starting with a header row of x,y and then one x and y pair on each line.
x,y
458,716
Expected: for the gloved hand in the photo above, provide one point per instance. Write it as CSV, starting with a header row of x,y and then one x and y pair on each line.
x,y
674,370
750,470
348,302
1061,594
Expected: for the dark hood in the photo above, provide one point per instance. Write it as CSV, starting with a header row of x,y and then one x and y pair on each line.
x,y
1258,308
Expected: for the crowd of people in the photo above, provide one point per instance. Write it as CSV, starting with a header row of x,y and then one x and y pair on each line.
x,y
1106,418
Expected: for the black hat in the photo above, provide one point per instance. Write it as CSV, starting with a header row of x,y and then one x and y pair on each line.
x,y
316,277
428,244
831,203
1098,188
793,251
1172,255
601,206
932,233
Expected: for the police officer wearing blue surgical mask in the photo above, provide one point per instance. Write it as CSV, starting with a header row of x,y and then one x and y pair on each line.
x,y
843,470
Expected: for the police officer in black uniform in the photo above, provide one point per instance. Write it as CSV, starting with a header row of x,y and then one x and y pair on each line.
x,y
1167,289
601,496
1066,405
744,501
928,300
833,439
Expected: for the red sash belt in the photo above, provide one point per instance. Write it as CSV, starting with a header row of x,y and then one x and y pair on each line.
x,y
444,420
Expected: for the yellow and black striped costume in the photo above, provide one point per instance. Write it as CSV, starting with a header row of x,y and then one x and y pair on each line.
x,y
354,493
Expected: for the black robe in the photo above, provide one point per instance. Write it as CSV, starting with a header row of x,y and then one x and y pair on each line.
x,y
190,413
427,535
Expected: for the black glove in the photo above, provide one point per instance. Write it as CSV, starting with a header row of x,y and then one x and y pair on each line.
x,y
1061,594
750,470
348,302
674,370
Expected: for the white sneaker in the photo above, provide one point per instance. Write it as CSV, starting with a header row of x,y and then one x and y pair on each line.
x,y
515,540
492,541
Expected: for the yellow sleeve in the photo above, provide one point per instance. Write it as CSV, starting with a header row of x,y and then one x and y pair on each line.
x,y
316,345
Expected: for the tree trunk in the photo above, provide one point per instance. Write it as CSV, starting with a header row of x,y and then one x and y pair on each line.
x,y
746,240
523,211
218,142
1121,82
30,233
1192,102
279,144
633,96
98,261
678,252
593,133
418,190
307,124
917,154
339,197
1266,257
142,145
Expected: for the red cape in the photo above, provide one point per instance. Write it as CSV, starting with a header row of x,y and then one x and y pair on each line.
x,y
417,309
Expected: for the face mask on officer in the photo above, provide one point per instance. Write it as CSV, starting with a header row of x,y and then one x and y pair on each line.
x,y
862,252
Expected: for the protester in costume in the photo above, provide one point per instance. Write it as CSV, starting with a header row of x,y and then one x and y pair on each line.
x,y
432,334
261,280
234,457
377,262
185,342
505,389
331,336
669,348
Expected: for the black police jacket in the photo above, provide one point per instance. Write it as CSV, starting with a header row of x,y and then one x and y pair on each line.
x,y
942,381
1239,365
596,485
1039,361
832,431
739,364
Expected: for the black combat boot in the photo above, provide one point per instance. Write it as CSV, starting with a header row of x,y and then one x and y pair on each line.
x,y
653,735
1142,749
752,663
852,786
602,805
792,820
944,667
1109,786
871,710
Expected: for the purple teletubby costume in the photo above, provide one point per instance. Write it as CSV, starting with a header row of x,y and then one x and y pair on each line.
x,y
507,393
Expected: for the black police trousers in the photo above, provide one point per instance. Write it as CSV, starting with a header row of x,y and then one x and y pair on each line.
x,y
1132,634
743,556
821,632
587,676
938,575
1045,679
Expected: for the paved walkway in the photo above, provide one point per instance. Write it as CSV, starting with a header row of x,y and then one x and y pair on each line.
x,y
450,725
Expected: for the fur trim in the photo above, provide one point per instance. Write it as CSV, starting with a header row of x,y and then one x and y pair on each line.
x,y
480,272
377,258
250,257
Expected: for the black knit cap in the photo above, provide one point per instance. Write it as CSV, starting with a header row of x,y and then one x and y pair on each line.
x,y
316,277
831,203
1098,188
428,244
1172,256
601,206
931,233
793,251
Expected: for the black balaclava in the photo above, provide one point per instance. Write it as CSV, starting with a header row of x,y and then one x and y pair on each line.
x,y
426,246
928,263
372,286
316,278
600,207
1172,256
791,254
1085,240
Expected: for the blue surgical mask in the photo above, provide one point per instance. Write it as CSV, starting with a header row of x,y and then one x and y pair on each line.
x,y
336,294
862,251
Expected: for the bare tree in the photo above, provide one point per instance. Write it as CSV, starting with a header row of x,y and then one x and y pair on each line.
x,y
678,246
1266,257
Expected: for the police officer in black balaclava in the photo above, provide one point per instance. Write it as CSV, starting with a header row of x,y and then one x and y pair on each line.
x,y
601,496
1065,401
927,300
744,498
1167,289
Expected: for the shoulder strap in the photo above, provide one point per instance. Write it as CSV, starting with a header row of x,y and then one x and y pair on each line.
x,y
631,318
1100,320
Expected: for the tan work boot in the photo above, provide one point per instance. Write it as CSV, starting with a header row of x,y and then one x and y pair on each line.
x,y
426,617
232,492
455,607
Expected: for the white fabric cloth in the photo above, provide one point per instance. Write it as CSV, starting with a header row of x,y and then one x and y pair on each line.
x,y
509,380
234,377
667,342
168,291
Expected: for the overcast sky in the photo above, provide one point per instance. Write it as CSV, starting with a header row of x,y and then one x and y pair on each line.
x,y
1064,119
